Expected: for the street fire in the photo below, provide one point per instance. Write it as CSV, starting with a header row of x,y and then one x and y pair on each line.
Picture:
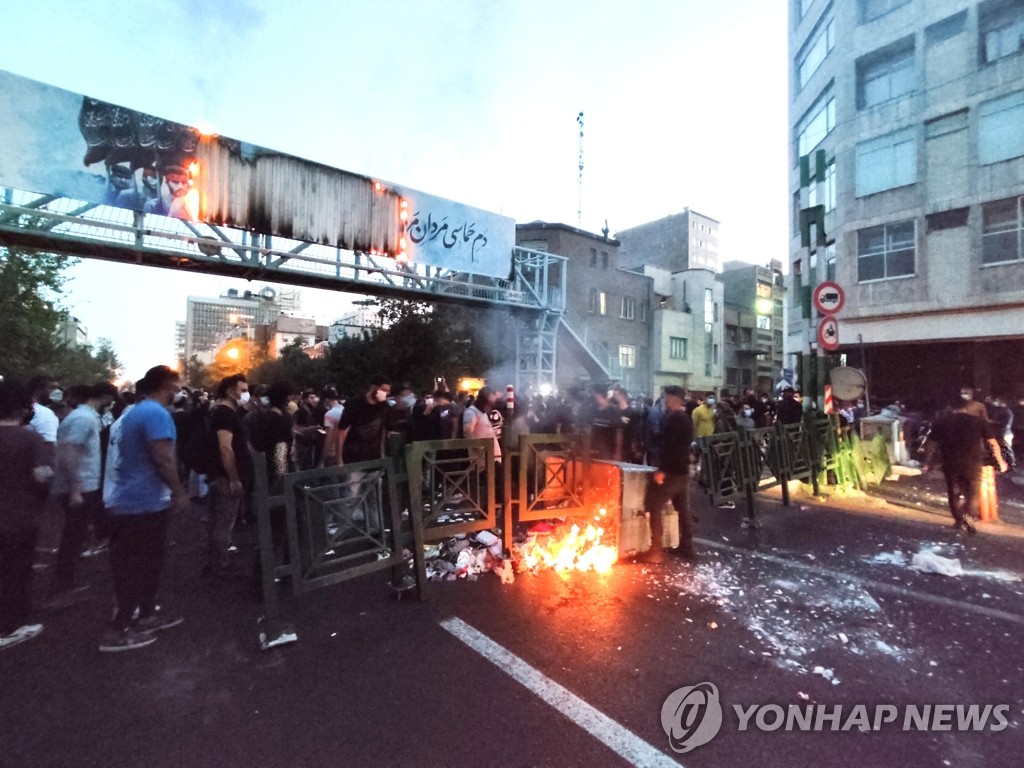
x,y
567,546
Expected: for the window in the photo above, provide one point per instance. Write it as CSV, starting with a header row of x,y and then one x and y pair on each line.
x,y
764,291
602,303
946,29
764,323
1001,231
874,9
803,6
887,162
732,335
714,354
830,261
830,186
777,307
777,339
747,336
676,348
604,259
709,307
627,356
627,308
816,124
886,75
1001,128
1001,27
598,302
814,54
592,301
886,251
593,257
643,311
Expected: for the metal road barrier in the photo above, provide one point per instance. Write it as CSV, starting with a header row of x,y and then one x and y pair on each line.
x,y
545,476
747,461
451,486
326,526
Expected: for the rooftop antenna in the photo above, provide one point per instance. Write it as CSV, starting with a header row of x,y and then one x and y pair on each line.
x,y
579,207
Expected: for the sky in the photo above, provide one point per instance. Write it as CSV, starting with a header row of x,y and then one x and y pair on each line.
x,y
685,105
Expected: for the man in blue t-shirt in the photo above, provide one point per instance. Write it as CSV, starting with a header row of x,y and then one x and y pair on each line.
x,y
147,488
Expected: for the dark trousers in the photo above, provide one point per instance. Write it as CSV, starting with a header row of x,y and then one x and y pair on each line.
x,y
962,480
137,551
221,523
675,489
16,552
76,531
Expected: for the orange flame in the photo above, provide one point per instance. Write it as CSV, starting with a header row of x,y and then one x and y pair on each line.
x,y
569,549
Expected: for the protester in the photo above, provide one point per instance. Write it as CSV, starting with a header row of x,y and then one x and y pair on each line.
x,y
77,489
789,410
671,480
230,474
25,459
146,490
961,439
361,428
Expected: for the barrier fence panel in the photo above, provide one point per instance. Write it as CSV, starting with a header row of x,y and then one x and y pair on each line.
x,y
330,525
451,486
552,478
765,464
796,452
722,465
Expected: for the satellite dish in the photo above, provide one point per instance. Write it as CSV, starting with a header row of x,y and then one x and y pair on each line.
x,y
847,383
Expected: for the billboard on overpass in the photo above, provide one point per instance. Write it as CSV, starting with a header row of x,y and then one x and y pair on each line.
x,y
55,142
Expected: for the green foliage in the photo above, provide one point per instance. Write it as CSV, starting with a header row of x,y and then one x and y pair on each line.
x,y
30,291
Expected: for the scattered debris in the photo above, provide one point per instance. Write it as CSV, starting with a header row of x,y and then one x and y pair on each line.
x,y
929,562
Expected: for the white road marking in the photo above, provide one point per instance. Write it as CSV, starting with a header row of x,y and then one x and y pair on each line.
x,y
881,586
616,737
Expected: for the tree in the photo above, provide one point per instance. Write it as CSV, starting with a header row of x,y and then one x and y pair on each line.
x,y
31,286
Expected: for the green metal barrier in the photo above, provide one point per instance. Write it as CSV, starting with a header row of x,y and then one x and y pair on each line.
x,y
330,525
551,479
451,486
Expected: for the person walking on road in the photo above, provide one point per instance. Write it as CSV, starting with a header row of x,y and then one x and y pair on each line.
x,y
961,439
25,458
670,482
146,490
230,471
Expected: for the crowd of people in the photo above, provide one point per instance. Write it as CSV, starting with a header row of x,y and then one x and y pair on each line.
x,y
115,465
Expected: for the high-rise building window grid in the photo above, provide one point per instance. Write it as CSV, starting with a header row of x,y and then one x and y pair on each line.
x,y
886,162
886,78
886,252
816,124
1003,36
813,55
1002,234
876,9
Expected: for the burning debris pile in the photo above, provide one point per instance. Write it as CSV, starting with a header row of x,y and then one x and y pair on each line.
x,y
561,545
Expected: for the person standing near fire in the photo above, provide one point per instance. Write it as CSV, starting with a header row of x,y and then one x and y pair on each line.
x,y
670,482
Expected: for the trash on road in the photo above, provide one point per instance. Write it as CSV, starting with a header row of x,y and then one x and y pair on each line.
x,y
929,562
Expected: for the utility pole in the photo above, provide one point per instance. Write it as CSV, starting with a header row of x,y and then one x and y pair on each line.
x,y
579,207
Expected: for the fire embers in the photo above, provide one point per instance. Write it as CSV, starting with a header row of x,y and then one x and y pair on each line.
x,y
565,546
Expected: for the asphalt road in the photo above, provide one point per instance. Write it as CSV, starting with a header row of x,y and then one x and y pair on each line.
x,y
376,682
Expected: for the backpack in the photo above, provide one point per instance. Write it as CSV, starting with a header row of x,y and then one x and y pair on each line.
x,y
197,453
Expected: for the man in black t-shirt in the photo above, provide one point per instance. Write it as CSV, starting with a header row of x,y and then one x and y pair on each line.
x,y
671,480
271,434
361,429
230,474
962,439
603,425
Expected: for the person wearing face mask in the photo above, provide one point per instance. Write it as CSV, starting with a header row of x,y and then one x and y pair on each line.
x,y
230,471
76,487
745,418
423,425
361,428
704,417
332,417
971,406
44,421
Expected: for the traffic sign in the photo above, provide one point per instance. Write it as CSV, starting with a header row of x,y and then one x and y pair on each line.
x,y
828,333
828,297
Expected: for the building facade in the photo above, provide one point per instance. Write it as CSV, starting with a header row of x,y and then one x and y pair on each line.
x,y
687,240
907,182
606,332
209,322
754,324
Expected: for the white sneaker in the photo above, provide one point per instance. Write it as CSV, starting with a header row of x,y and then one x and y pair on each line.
x,y
20,635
